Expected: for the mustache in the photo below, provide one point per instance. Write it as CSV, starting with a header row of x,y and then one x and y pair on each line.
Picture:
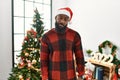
x,y
59,24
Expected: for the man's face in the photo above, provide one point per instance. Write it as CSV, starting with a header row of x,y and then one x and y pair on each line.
x,y
62,20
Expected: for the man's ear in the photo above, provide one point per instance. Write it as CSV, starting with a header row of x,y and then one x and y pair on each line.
x,y
69,20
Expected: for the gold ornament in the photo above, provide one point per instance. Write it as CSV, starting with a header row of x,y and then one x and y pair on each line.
x,y
26,54
20,77
34,61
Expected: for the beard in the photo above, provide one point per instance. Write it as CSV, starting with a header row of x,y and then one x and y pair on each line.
x,y
59,27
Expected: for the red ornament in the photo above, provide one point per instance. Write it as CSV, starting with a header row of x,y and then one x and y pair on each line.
x,y
22,58
26,38
115,77
21,65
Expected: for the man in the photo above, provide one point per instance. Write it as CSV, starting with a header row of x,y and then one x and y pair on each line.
x,y
58,47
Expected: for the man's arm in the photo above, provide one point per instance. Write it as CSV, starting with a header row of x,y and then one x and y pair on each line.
x,y
44,59
79,55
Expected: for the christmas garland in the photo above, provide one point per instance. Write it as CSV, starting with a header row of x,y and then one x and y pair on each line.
x,y
113,47
113,52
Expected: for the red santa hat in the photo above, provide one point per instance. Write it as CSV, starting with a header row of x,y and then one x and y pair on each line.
x,y
66,11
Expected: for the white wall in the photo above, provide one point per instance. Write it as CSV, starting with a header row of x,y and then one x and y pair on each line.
x,y
5,39
95,20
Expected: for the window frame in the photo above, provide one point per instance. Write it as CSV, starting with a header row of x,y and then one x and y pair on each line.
x,y
13,25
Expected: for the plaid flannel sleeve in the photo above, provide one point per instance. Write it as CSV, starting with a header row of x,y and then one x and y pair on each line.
x,y
44,58
79,55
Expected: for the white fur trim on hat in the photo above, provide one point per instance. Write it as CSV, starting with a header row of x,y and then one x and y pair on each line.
x,y
65,12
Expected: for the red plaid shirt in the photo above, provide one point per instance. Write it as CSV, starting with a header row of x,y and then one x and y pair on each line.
x,y
57,49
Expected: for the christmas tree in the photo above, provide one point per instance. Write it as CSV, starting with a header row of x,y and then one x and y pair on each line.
x,y
28,66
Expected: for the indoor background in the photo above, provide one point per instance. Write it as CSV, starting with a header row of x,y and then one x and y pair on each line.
x,y
95,20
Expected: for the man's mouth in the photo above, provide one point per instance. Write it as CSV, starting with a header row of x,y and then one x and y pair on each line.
x,y
61,25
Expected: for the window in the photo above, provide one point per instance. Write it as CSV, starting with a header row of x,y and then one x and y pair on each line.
x,y
22,18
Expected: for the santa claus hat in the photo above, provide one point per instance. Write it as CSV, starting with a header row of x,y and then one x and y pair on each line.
x,y
66,11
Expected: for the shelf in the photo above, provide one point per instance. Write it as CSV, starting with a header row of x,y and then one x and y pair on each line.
x,y
109,68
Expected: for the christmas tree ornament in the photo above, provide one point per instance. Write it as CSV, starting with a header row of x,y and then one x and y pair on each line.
x,y
119,72
34,20
26,54
28,79
37,21
35,50
115,77
26,38
20,77
34,61
31,45
30,39
29,65
22,58
21,65
28,61
35,39
25,41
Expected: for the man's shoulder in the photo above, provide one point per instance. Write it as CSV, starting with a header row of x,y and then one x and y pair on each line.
x,y
51,31
72,30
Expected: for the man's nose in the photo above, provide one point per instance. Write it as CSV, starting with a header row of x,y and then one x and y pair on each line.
x,y
62,21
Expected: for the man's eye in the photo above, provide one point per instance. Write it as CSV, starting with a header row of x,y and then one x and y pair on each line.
x,y
65,19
